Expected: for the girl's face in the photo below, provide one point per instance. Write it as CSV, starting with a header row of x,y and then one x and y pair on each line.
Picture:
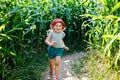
x,y
58,27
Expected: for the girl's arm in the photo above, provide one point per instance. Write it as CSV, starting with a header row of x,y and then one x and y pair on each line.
x,y
65,47
47,41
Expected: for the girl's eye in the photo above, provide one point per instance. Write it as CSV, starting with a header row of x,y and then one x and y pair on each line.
x,y
58,26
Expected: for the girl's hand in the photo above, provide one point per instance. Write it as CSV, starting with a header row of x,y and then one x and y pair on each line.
x,y
66,48
53,43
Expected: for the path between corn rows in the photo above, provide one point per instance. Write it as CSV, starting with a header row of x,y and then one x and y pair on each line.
x,y
66,68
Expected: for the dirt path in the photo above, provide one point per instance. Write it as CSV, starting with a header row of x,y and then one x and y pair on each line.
x,y
66,69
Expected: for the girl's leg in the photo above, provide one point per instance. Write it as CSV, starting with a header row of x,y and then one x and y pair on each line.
x,y
51,65
57,65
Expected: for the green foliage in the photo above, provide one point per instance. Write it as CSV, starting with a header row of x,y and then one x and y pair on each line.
x,y
23,27
104,31
35,65
94,66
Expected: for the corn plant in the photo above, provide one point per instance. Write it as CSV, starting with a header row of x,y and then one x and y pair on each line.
x,y
23,26
104,30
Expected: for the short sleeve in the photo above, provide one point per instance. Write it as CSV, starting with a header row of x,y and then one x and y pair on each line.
x,y
63,34
49,32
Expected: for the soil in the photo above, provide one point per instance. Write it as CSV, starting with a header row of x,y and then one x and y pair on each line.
x,y
66,69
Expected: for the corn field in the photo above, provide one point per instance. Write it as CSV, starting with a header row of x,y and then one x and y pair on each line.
x,y
24,23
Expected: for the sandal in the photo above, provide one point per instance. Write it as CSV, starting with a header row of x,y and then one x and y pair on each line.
x,y
51,74
55,78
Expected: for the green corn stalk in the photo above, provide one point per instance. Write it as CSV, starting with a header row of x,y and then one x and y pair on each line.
x,y
110,43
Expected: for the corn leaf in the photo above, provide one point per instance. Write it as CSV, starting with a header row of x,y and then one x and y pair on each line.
x,y
117,6
10,53
108,45
116,60
2,27
4,35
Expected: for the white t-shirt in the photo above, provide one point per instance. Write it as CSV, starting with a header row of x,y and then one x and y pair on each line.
x,y
58,37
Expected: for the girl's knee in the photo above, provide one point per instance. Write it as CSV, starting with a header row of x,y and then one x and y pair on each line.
x,y
57,64
57,60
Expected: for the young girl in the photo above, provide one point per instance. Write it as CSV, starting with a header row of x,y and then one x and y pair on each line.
x,y
56,45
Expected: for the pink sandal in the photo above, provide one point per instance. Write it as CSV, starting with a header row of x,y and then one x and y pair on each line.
x,y
51,74
55,78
